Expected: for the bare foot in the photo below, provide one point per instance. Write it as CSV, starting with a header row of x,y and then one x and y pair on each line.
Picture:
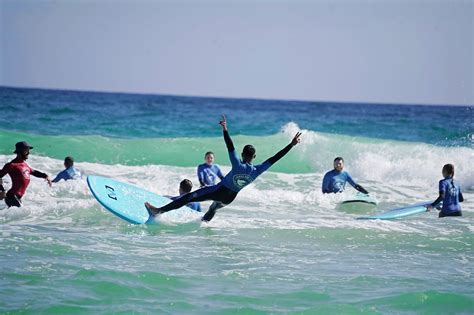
x,y
153,211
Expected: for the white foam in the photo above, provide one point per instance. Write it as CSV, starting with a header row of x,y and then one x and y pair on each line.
x,y
274,200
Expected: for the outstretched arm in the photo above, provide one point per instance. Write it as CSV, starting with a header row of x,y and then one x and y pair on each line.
x,y
39,174
228,140
285,150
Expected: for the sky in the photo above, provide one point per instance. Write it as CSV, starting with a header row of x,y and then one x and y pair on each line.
x,y
376,51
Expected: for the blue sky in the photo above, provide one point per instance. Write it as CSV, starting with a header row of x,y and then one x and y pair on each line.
x,y
418,52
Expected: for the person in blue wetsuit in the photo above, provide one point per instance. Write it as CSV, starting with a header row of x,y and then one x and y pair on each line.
x,y
209,172
185,187
450,193
69,173
335,181
243,172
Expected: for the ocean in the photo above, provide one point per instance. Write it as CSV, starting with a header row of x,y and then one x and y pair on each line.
x,y
282,247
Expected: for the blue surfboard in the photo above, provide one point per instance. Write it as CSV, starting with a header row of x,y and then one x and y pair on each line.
x,y
127,201
399,212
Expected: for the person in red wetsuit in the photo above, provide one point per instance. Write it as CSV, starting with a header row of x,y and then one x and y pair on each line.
x,y
19,172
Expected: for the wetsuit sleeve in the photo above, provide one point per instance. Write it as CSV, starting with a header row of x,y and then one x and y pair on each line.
x,y
325,187
59,177
438,200
280,154
200,175
350,180
228,141
234,160
39,174
355,185
442,190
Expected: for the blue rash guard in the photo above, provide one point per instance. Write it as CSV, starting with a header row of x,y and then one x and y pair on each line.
x,y
452,196
208,174
193,205
69,173
242,173
334,181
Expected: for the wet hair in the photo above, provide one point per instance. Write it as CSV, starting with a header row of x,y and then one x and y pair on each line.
x,y
186,185
69,161
338,159
248,152
449,169
207,153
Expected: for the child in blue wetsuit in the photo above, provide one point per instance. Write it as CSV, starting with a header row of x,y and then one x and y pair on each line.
x,y
243,173
185,187
69,173
450,193
335,181
208,173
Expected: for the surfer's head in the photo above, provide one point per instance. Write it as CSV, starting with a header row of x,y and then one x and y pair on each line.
x,y
448,170
68,161
185,186
248,153
22,149
339,164
209,157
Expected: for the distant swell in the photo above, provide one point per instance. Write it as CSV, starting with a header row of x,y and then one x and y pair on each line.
x,y
372,159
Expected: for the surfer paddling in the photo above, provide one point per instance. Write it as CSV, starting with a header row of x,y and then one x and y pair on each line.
x,y
243,172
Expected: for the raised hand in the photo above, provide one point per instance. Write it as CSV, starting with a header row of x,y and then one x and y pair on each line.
x,y
296,139
223,123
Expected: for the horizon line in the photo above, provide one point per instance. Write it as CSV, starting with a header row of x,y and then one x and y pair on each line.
x,y
228,97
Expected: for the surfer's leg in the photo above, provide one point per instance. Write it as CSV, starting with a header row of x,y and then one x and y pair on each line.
x,y
12,200
225,197
212,210
206,193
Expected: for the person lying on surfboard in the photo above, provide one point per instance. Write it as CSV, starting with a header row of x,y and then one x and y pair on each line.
x,y
450,193
243,172
19,172
335,180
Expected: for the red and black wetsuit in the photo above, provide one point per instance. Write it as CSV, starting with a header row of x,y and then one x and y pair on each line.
x,y
19,172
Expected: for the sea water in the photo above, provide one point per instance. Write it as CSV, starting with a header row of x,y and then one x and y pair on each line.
x,y
281,247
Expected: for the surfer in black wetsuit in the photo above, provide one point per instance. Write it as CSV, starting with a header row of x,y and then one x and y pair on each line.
x,y
243,173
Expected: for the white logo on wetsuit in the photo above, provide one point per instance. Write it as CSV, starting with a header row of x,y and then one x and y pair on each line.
x,y
338,186
242,180
26,173
452,191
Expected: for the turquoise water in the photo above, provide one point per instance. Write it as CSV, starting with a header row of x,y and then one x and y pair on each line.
x,y
281,247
